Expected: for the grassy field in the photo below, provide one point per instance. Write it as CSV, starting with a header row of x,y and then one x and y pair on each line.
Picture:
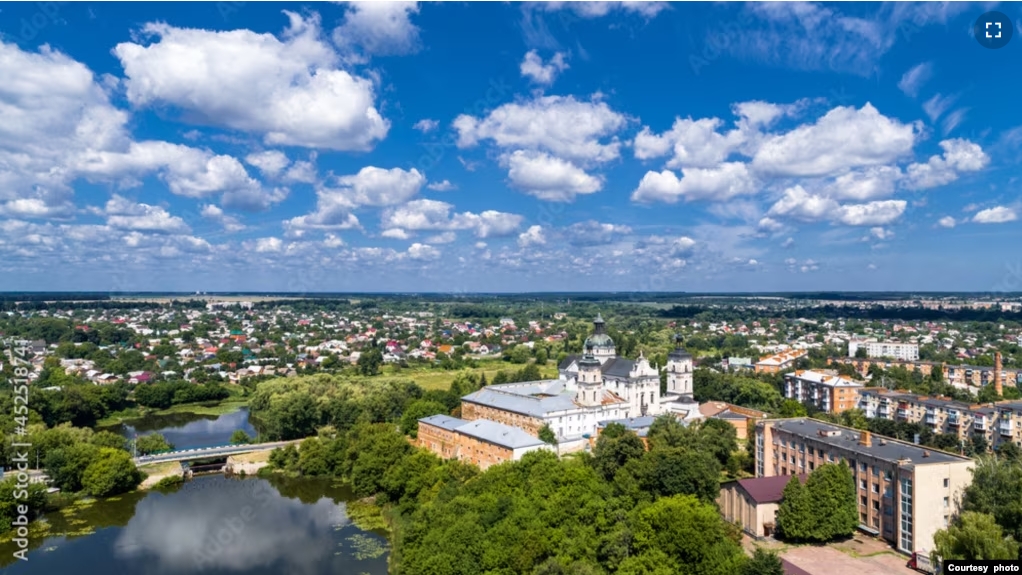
x,y
429,378
161,469
254,457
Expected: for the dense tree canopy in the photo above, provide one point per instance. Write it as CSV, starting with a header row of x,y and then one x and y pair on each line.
x,y
975,536
822,509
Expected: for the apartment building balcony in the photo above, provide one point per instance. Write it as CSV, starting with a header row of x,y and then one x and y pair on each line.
x,y
884,412
930,419
980,425
903,413
1004,427
953,421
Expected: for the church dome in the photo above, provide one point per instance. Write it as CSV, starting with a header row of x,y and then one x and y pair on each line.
x,y
599,340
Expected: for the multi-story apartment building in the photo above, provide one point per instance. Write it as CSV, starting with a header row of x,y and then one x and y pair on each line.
x,y
998,422
889,349
779,361
824,389
905,492
962,376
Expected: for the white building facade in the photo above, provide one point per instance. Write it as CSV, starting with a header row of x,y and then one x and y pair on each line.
x,y
597,387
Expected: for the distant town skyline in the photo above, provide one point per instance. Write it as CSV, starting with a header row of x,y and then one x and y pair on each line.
x,y
507,148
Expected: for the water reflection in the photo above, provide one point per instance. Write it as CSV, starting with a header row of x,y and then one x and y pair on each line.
x,y
190,430
242,527
217,525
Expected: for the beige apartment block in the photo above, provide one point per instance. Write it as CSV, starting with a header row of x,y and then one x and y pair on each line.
x,y
779,361
998,422
824,389
905,492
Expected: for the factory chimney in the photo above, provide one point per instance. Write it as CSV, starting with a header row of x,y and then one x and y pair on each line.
x,y
998,386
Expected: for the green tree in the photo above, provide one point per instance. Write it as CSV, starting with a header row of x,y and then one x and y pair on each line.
x,y
992,478
831,490
369,361
718,437
520,354
152,443
763,562
791,408
975,536
111,473
674,471
821,510
415,411
614,448
66,465
691,534
293,416
239,437
312,459
795,515
12,495
109,439
547,435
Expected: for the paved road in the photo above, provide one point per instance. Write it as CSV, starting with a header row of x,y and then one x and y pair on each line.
x,y
218,451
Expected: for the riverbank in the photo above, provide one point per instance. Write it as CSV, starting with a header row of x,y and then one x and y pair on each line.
x,y
156,472
127,416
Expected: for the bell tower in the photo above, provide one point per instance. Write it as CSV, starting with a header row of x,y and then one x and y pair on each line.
x,y
590,381
679,370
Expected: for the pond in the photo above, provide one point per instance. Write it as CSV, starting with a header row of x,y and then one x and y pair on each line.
x,y
190,430
210,525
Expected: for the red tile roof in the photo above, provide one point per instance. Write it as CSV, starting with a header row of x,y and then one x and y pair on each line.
x,y
767,489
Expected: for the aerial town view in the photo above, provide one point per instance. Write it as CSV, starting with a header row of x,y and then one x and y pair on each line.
x,y
516,288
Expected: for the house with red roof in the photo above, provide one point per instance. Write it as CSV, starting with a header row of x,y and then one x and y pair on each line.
x,y
753,502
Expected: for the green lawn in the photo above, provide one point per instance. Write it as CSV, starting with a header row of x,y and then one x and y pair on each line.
x,y
429,378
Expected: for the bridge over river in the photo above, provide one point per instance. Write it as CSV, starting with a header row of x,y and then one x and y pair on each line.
x,y
208,452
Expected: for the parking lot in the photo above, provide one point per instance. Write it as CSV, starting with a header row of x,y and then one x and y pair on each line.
x,y
857,556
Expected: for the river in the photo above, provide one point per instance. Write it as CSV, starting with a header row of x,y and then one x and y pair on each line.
x,y
210,525
190,430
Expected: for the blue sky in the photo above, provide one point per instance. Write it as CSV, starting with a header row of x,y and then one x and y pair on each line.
x,y
507,147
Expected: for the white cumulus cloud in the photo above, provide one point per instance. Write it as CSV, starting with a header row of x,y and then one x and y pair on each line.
x,y
290,90
548,178
997,215
534,69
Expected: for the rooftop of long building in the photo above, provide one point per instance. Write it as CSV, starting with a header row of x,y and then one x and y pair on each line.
x,y
880,447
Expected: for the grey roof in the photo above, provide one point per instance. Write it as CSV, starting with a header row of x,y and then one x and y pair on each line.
x,y
618,367
443,421
679,353
891,450
535,399
567,361
499,434
638,424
